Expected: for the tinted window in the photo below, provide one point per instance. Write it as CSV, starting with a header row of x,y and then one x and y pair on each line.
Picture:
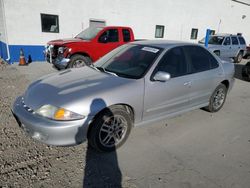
x,y
242,40
110,35
227,41
200,59
126,35
174,63
235,41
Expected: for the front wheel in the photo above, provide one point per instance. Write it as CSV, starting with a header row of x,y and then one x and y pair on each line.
x,y
77,61
217,52
110,129
217,99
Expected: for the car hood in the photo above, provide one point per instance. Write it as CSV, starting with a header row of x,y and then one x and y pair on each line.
x,y
76,89
60,42
212,46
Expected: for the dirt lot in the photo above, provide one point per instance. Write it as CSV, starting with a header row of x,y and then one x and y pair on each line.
x,y
197,149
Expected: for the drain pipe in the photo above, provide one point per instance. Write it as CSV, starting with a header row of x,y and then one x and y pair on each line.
x,y
5,32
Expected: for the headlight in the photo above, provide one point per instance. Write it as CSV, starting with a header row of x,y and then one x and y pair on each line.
x,y
57,113
61,50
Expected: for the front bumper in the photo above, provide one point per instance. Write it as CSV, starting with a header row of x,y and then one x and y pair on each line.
x,y
51,132
61,63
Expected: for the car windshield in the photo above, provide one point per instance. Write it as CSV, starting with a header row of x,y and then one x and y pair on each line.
x,y
89,33
213,40
216,40
129,61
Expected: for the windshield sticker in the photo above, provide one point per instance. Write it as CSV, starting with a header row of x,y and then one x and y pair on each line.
x,y
149,49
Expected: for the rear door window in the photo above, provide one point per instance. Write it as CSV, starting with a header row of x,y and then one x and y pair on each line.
x,y
235,41
200,59
126,35
242,40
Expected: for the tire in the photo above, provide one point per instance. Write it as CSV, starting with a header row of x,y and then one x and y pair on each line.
x,y
110,129
246,72
217,99
239,57
77,61
217,52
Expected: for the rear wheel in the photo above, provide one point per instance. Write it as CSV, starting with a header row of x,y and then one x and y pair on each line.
x,y
217,99
246,72
239,57
110,129
77,61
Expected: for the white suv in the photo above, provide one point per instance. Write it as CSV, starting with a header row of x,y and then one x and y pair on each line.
x,y
227,46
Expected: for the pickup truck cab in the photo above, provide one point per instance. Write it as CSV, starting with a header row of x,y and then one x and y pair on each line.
x,y
87,46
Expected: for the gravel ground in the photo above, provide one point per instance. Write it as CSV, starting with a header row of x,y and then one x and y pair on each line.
x,y
27,163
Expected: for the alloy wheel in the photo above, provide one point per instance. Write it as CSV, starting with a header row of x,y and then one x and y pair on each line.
x,y
113,130
219,98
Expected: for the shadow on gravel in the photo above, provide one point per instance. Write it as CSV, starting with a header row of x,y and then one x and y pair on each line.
x,y
101,169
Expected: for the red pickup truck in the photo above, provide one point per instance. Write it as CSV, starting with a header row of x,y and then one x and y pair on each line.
x,y
87,46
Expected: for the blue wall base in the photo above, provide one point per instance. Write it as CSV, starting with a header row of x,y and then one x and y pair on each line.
x,y
3,50
35,51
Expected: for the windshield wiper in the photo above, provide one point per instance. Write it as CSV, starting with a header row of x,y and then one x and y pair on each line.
x,y
104,70
79,37
94,67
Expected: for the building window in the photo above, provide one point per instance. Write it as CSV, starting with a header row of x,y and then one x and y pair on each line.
x,y
212,32
159,31
50,23
194,33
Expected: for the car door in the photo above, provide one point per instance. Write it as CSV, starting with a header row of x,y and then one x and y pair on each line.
x,y
242,43
206,74
235,46
107,41
226,48
163,98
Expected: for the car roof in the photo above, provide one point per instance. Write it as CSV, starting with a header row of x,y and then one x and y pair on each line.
x,y
163,43
227,35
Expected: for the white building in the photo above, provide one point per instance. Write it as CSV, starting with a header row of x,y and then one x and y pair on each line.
x,y
31,24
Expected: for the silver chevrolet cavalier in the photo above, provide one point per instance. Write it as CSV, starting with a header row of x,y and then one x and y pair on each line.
x,y
135,84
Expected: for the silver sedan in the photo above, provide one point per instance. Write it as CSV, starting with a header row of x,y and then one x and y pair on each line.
x,y
136,84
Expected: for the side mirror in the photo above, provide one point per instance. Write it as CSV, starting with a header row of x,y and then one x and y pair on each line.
x,y
162,76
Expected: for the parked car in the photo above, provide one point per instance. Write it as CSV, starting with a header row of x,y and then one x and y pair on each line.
x,y
227,46
136,84
246,72
87,46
